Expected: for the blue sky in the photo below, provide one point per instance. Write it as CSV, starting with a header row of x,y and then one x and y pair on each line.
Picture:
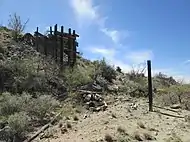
x,y
125,32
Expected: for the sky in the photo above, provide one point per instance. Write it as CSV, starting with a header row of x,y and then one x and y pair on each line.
x,y
125,32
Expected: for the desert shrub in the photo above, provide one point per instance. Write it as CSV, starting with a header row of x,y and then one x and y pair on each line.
x,y
175,94
30,74
19,124
164,80
3,28
10,104
137,74
75,77
41,107
14,72
105,70
128,86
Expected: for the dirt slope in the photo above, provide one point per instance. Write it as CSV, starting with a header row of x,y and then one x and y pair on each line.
x,y
121,114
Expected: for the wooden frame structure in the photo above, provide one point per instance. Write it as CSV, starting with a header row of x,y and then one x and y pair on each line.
x,y
57,44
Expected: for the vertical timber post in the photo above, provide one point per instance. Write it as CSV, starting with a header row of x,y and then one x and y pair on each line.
x,y
37,46
45,45
150,86
61,47
55,34
69,47
51,34
74,48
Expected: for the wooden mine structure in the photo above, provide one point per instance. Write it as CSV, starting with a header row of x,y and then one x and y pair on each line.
x,y
57,44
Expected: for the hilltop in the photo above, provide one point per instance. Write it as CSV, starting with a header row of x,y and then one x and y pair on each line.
x,y
95,101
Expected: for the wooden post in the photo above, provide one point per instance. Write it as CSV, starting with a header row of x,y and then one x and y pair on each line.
x,y
45,45
74,49
69,48
55,34
37,46
61,47
150,86
51,33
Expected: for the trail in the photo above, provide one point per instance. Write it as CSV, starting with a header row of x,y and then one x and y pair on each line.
x,y
96,125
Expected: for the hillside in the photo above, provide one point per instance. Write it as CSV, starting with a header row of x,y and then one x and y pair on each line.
x,y
93,99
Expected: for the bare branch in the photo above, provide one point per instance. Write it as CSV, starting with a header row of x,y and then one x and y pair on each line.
x,y
15,23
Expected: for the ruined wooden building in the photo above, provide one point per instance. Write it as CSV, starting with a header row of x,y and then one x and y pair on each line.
x,y
60,45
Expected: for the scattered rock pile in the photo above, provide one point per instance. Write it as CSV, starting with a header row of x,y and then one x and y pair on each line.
x,y
93,100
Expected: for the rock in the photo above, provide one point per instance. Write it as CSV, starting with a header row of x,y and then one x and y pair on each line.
x,y
97,97
85,116
88,98
91,104
141,125
133,106
2,124
175,106
98,109
64,130
139,136
5,134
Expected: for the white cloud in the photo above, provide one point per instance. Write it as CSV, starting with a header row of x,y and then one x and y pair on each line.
x,y
186,62
109,54
86,12
102,50
139,56
113,34
84,9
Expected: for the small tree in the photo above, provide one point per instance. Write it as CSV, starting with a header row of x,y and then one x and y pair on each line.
x,y
15,23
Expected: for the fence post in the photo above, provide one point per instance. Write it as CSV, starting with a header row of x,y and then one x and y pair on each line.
x,y
51,34
37,48
55,34
61,47
150,86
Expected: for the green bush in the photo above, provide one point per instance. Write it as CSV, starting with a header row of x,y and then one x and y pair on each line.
x,y
41,107
19,124
76,77
10,104
105,70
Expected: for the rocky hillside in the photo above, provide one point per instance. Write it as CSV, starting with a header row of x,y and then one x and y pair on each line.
x,y
34,90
